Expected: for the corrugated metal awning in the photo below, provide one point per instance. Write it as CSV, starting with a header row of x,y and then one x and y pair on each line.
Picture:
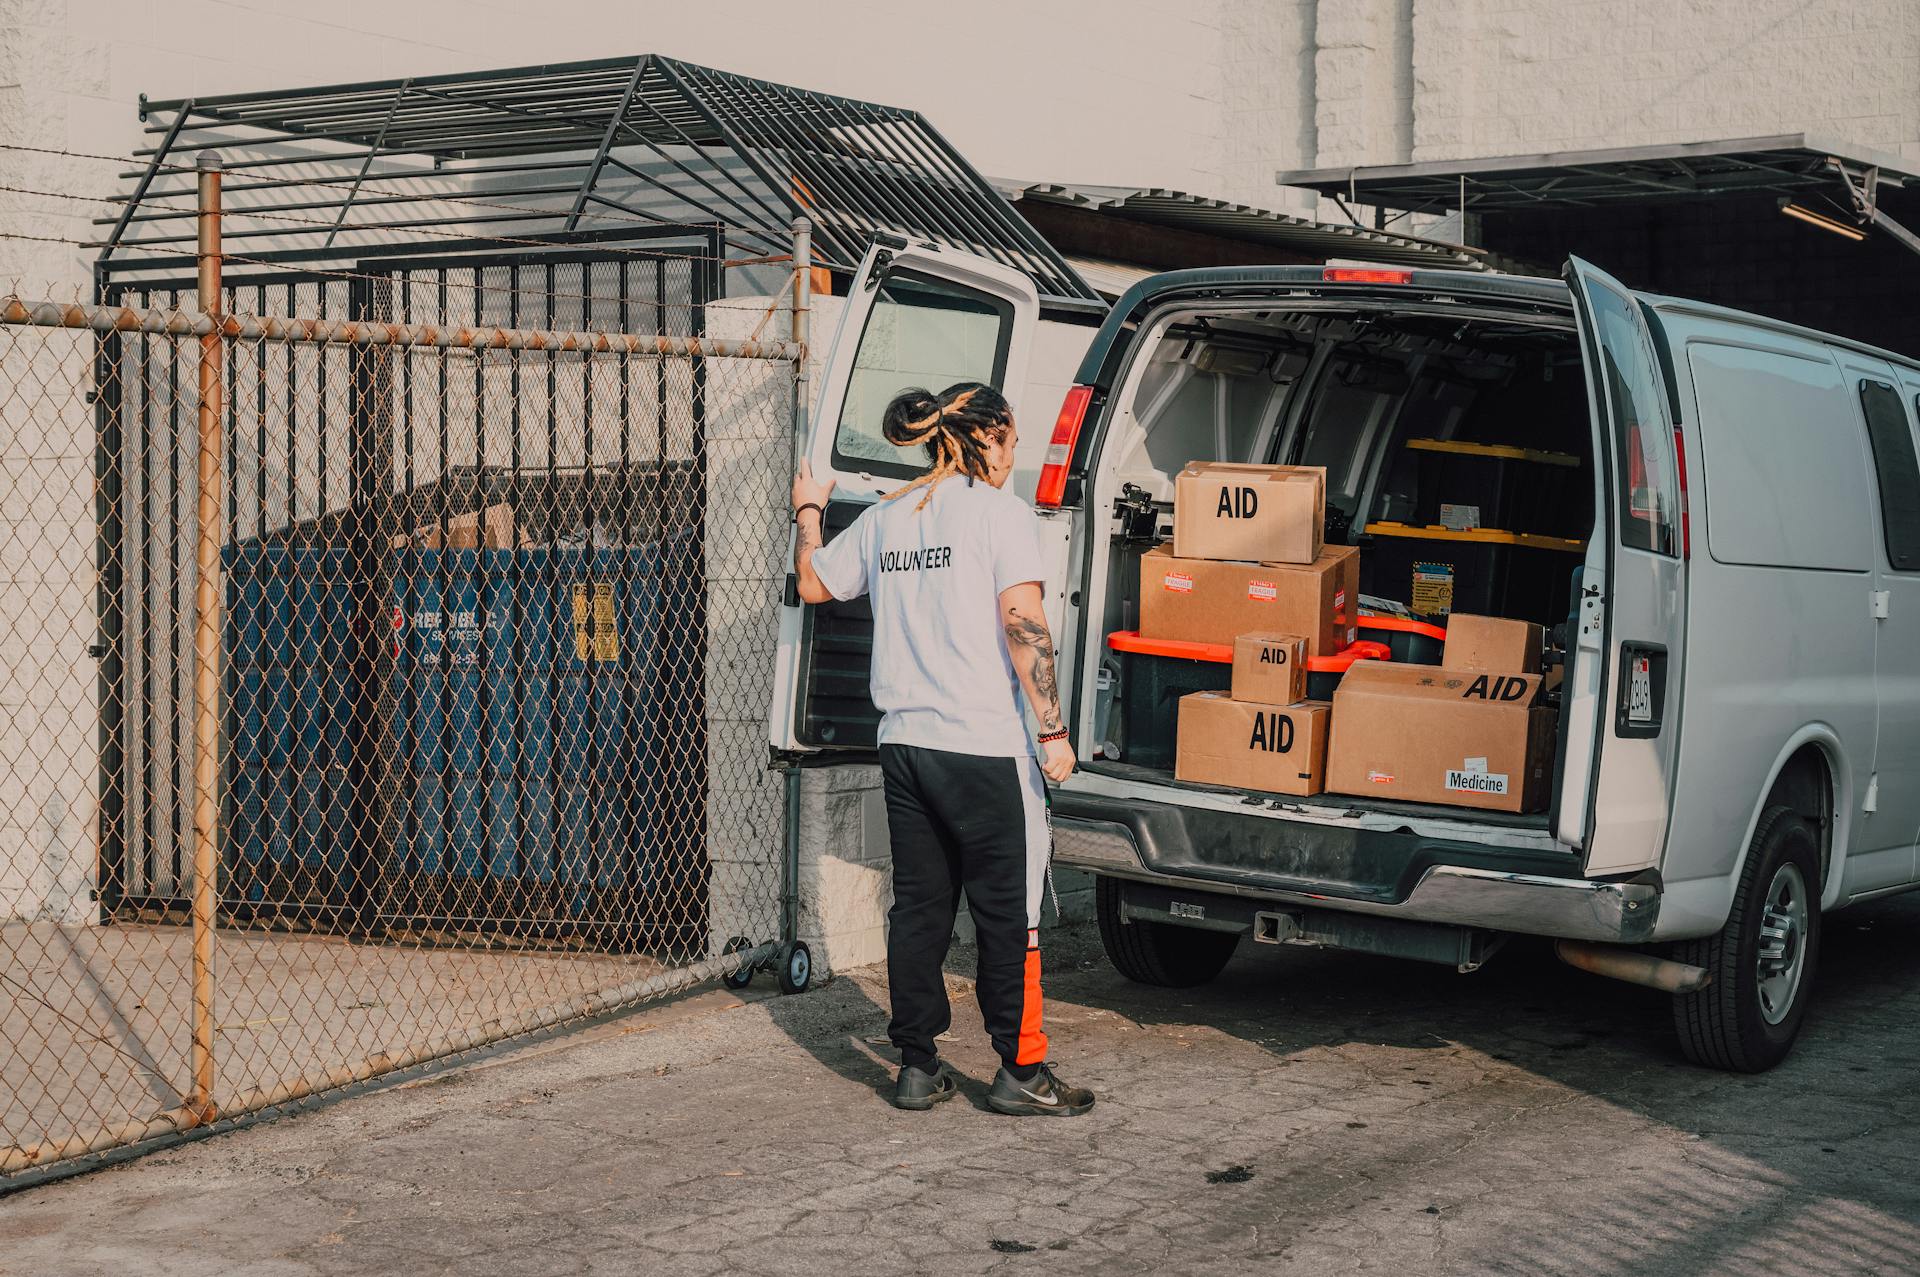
x,y
1109,279
642,140
1786,164
1184,211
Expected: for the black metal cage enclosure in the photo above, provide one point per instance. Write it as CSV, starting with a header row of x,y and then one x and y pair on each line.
x,y
465,602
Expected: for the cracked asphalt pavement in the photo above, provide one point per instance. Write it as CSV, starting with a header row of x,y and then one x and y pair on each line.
x,y
1308,1111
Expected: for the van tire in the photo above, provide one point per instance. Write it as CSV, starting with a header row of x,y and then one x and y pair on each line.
x,y
1158,953
1723,1025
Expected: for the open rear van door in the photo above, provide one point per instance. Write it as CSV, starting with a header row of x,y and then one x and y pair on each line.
x,y
1624,657
915,315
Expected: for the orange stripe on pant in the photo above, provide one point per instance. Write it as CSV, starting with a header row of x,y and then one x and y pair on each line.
x,y
1033,1038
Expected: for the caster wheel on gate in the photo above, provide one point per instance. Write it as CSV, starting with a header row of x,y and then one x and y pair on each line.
x,y
743,976
795,967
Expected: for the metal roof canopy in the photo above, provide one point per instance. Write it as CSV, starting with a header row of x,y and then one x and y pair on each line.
x,y
1244,222
1786,164
531,151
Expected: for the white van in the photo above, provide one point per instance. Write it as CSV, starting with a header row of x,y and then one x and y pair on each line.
x,y
1724,542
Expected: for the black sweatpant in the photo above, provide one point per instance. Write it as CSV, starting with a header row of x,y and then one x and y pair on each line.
x,y
960,821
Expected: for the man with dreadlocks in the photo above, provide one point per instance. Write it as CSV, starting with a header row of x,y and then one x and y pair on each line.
x,y
958,633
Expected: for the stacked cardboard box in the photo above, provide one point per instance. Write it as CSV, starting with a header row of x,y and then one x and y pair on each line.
x,y
1469,732
1247,558
1248,569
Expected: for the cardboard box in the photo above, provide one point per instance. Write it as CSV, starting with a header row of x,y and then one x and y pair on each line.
x,y
1426,734
1207,601
491,529
1280,749
1492,643
1270,669
1265,514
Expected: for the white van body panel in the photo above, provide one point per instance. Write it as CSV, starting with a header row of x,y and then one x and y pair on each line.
x,y
1897,673
1618,807
1040,358
1781,654
1699,906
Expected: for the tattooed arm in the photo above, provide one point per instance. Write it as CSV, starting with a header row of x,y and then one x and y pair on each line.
x,y
807,536
1030,644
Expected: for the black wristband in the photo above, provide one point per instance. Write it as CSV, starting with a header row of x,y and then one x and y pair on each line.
x,y
808,505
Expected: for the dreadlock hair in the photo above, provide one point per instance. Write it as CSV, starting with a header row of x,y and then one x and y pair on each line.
x,y
956,426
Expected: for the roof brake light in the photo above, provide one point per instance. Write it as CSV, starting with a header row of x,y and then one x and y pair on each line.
x,y
1365,275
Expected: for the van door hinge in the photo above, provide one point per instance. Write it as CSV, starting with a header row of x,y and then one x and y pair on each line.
x,y
1593,619
1871,803
1881,604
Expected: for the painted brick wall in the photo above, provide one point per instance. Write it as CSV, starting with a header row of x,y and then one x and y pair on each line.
x,y
1495,77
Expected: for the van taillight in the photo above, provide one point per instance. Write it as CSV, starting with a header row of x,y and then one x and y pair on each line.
x,y
1066,432
1680,472
1365,275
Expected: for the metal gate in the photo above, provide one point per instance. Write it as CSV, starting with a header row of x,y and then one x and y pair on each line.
x,y
466,606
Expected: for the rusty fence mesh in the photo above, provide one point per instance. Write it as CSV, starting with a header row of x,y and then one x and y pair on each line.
x,y
496,623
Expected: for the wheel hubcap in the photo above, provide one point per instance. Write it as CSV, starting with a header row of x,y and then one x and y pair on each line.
x,y
1783,943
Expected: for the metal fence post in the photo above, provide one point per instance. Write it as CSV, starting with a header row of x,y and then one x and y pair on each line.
x,y
208,615
802,314
802,389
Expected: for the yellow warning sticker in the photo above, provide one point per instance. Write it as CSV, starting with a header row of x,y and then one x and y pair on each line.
x,y
582,623
606,635
596,632
1432,589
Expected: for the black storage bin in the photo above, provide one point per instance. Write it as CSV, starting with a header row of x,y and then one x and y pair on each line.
x,y
1325,672
1154,675
1411,642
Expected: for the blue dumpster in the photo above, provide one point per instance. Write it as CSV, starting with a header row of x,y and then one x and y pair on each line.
x,y
544,754
290,689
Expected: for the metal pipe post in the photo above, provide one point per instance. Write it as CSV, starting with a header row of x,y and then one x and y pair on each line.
x,y
208,615
802,326
802,389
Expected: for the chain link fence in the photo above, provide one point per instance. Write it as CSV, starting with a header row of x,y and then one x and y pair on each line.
x,y
384,663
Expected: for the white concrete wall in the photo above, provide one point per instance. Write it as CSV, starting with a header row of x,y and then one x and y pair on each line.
x,y
1326,83
1498,77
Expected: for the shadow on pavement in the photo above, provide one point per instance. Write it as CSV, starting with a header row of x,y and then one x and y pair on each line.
x,y
1754,1166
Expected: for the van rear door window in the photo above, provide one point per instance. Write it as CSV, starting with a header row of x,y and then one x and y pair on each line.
x,y
1899,473
1648,484
920,332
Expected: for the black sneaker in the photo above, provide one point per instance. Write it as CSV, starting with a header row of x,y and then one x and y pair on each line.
x,y
917,1089
1044,1096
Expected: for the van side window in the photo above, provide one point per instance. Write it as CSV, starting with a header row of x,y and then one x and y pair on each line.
x,y
1898,471
1648,485
1782,459
920,332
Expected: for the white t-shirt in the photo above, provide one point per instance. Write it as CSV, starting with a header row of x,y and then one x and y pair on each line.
x,y
941,673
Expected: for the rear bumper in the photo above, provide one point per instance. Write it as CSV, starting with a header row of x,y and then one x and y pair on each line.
x,y
1396,873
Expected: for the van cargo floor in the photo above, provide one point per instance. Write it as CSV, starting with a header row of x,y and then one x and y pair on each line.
x,y
1339,802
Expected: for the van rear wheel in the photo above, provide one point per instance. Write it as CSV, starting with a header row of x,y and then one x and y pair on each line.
x,y
1762,962
1158,952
